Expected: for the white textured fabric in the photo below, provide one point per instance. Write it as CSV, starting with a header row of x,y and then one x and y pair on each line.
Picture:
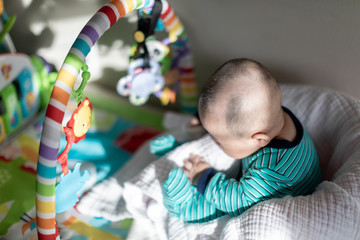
x,y
331,212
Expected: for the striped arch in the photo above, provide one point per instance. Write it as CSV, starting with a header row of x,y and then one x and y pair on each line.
x,y
101,21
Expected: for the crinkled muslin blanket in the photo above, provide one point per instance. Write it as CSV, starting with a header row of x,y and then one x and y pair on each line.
x,y
331,212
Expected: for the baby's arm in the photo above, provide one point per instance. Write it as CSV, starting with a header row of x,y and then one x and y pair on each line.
x,y
235,196
182,200
230,195
216,195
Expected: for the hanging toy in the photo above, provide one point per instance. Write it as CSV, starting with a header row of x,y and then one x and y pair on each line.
x,y
145,74
79,123
75,130
160,53
66,190
141,82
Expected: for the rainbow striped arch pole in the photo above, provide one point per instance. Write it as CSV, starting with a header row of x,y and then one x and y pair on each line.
x,y
101,21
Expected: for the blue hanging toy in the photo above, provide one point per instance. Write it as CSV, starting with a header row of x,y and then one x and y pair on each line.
x,y
144,74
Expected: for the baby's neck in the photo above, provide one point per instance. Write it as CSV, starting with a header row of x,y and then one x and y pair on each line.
x,y
288,132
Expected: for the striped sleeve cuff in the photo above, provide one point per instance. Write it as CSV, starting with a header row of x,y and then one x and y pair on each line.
x,y
204,179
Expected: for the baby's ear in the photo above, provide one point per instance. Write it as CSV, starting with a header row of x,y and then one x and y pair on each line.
x,y
261,139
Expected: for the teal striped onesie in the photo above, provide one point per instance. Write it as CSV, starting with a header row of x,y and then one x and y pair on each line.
x,y
281,168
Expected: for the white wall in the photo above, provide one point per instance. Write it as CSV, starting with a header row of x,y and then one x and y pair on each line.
x,y
311,41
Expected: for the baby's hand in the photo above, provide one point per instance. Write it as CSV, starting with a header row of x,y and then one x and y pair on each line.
x,y
194,166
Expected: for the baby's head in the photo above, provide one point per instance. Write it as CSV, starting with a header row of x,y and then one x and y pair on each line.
x,y
240,106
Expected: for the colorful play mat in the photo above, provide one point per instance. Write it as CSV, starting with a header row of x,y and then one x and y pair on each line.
x,y
109,144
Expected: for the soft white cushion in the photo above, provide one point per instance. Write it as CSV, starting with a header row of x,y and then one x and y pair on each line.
x,y
333,210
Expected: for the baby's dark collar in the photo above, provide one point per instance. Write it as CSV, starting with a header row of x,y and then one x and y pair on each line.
x,y
280,143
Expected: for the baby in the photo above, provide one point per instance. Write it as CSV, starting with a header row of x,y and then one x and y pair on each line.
x,y
240,107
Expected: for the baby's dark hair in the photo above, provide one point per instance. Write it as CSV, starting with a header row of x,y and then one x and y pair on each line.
x,y
226,75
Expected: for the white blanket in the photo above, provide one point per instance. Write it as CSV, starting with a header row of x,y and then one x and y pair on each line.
x,y
331,212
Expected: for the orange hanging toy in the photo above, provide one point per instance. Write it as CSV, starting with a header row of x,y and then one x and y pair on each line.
x,y
75,130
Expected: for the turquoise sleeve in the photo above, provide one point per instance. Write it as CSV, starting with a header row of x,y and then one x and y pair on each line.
x,y
234,197
183,201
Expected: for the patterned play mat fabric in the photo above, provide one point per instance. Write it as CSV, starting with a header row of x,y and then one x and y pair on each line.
x,y
108,145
